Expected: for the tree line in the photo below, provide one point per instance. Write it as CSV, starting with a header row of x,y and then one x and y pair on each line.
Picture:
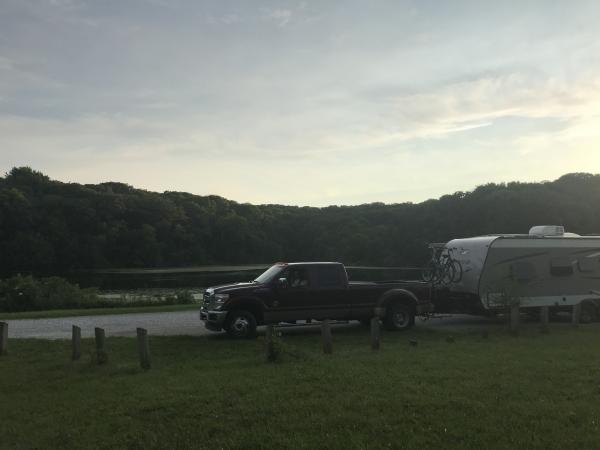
x,y
51,227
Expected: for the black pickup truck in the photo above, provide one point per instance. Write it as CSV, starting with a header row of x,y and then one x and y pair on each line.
x,y
288,292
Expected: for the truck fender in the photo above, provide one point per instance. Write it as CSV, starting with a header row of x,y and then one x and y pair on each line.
x,y
391,295
249,304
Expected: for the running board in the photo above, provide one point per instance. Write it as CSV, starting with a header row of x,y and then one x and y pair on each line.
x,y
308,324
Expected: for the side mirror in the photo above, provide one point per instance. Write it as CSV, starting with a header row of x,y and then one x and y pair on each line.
x,y
282,283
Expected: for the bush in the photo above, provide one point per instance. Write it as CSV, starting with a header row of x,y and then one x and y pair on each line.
x,y
19,294
184,297
25,293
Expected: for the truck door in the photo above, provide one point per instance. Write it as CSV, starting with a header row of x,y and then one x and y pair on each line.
x,y
328,298
291,299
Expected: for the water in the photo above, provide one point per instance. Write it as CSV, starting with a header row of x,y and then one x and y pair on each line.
x,y
204,276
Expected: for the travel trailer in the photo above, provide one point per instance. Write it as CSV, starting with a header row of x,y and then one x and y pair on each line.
x,y
547,267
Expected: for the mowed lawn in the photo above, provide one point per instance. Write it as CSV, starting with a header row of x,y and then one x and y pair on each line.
x,y
534,391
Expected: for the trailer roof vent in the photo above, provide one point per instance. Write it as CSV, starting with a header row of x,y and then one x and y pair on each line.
x,y
547,230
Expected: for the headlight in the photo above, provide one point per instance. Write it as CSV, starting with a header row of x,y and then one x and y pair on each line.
x,y
220,300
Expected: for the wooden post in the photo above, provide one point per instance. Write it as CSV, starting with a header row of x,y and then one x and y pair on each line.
x,y
143,348
270,351
576,315
545,319
101,356
375,333
326,337
76,341
514,319
3,337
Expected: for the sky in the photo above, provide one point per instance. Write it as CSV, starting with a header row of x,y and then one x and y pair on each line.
x,y
300,102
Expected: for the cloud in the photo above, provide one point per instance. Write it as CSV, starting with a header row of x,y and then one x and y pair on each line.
x,y
293,89
278,15
348,125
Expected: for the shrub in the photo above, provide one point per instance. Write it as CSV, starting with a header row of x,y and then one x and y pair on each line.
x,y
184,297
25,293
18,293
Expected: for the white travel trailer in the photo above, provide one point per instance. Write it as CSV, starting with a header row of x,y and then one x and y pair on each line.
x,y
546,267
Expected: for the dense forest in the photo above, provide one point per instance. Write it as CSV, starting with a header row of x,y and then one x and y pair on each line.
x,y
48,227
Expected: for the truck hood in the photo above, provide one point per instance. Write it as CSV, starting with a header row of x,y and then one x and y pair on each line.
x,y
233,287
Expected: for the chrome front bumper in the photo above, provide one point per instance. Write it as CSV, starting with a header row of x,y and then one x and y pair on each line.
x,y
213,320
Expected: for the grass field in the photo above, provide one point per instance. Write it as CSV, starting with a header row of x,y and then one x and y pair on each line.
x,y
534,391
94,311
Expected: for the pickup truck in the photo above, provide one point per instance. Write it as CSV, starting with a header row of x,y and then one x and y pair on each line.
x,y
289,292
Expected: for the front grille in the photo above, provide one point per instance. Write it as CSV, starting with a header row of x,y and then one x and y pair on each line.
x,y
206,300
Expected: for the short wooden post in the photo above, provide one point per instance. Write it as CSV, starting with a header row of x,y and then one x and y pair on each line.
x,y
576,315
514,318
270,351
3,337
544,319
143,348
326,337
76,341
375,333
101,355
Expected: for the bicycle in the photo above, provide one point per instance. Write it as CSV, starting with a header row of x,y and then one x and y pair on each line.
x,y
442,268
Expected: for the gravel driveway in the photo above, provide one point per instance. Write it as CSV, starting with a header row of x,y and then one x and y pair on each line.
x,y
180,323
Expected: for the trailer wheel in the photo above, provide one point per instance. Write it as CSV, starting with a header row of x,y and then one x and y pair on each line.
x,y
400,316
589,312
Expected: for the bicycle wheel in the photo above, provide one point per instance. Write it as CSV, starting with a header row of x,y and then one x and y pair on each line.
x,y
458,271
428,273
448,274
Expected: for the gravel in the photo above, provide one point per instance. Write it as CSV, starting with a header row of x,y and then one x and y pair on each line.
x,y
182,323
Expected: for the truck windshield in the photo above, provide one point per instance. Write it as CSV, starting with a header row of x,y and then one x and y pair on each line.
x,y
269,274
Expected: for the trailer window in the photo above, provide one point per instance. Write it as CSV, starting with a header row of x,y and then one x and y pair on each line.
x,y
561,267
587,264
522,271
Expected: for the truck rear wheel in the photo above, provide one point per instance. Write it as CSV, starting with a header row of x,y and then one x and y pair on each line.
x,y
399,317
241,324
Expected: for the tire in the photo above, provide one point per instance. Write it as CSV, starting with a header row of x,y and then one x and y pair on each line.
x,y
448,275
589,312
399,317
458,272
241,324
429,272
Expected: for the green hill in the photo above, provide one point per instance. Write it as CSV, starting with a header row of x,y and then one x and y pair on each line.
x,y
47,226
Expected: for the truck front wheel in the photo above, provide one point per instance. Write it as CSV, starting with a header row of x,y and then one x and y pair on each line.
x,y
241,324
399,317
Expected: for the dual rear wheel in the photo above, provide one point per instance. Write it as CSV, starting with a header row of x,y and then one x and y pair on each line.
x,y
399,317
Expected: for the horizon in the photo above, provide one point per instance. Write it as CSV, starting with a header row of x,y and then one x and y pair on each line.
x,y
300,102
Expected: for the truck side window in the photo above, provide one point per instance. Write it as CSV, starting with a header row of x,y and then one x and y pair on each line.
x,y
522,271
298,277
329,276
561,267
